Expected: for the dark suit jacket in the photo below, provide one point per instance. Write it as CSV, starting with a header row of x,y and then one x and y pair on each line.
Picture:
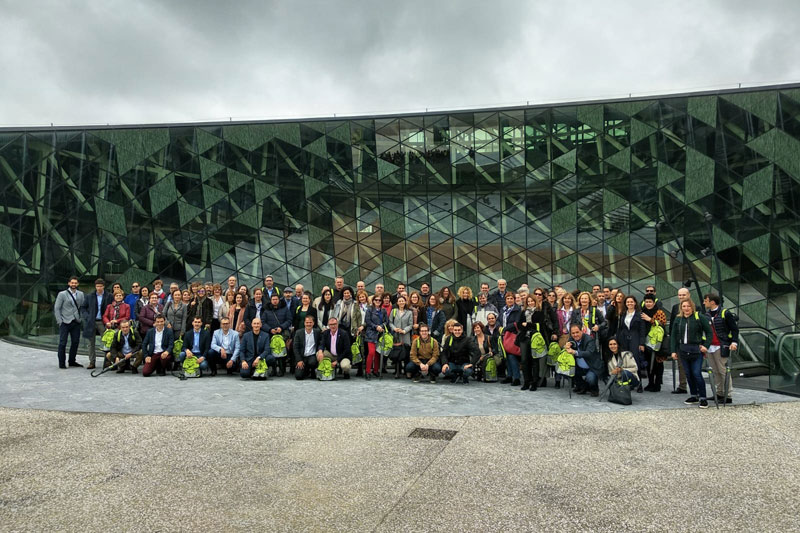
x,y
299,342
630,338
343,344
205,341
149,344
90,310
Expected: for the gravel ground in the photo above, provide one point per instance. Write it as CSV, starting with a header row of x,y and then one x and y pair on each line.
x,y
670,470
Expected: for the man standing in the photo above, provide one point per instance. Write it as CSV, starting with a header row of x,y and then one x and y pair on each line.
x,y
231,285
224,343
132,298
424,292
401,287
126,346
588,363
298,292
338,287
725,339
95,306
457,356
254,349
305,349
269,288
424,358
651,290
292,302
196,343
334,345
157,348
498,297
67,311
683,295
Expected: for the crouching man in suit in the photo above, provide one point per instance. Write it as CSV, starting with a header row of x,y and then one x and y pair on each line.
x,y
334,345
157,347
126,347
254,349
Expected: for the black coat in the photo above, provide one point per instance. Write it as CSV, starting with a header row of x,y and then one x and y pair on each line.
x,y
90,310
630,338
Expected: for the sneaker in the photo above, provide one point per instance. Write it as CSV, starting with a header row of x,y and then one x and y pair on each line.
x,y
691,400
416,378
433,379
703,404
679,391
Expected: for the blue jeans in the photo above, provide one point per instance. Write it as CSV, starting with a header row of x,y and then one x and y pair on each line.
x,y
693,365
73,332
454,370
433,370
587,377
203,365
513,365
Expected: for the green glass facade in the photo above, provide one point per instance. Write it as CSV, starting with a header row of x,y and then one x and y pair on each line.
x,y
567,194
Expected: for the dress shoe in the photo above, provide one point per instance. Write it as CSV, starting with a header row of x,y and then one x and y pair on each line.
x,y
723,399
161,372
526,386
345,375
679,391
515,383
214,371
134,370
639,388
75,363
506,381
533,388
90,366
62,366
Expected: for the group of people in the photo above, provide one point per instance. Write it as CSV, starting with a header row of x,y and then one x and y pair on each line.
x,y
490,335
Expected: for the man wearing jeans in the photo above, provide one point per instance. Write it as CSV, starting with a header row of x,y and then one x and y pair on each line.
x,y
457,356
67,310
95,305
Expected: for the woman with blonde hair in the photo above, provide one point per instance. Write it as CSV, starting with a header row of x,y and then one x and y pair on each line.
x,y
465,306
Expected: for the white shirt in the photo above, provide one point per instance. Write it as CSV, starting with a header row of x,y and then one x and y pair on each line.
x,y
629,318
217,306
157,346
311,348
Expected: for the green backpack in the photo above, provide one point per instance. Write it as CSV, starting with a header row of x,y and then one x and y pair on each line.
x,y
278,346
355,351
191,368
655,337
538,344
177,348
490,371
325,370
385,342
108,338
260,371
553,351
566,364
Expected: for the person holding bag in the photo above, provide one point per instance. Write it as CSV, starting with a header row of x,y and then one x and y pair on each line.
x,y
509,316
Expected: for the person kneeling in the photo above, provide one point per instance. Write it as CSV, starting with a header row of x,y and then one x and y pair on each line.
x,y
424,358
588,363
255,352
622,365
334,346
126,347
157,347
305,349
457,354
196,343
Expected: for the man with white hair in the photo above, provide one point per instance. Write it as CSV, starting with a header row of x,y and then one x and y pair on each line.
x,y
498,297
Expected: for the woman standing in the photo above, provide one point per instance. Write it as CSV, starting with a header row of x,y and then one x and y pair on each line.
x,y
434,317
589,318
324,309
564,314
631,333
401,322
416,305
144,299
217,303
305,309
200,306
175,314
509,316
483,352
614,312
236,313
447,303
690,336
344,309
530,321
117,311
147,316
465,306
375,320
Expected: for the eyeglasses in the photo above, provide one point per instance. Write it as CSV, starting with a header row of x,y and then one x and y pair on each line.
x,y
537,294
134,286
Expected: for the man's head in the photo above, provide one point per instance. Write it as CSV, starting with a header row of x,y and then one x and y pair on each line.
x,y
458,330
607,293
135,287
288,293
361,286
333,325
501,285
268,282
424,332
425,288
485,287
73,283
482,298
309,323
711,300
225,324
575,332
298,290
595,290
255,325
99,285
232,282
491,319
683,294
275,300
379,288
197,323
338,283
159,321
650,289
125,327
649,301
401,287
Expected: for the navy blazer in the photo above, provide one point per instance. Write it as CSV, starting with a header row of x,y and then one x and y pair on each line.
x,y
90,310
251,348
167,341
630,338
343,344
205,341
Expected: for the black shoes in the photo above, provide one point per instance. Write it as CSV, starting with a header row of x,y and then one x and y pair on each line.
x,y
416,378
639,389
433,379
515,383
703,404
679,391
557,385
75,363
594,393
723,399
691,400
134,370
62,366
506,381
161,372
345,375
526,386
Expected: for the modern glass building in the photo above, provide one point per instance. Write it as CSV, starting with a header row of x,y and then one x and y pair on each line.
x,y
622,193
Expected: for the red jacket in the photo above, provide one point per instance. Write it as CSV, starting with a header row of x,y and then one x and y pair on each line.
x,y
118,314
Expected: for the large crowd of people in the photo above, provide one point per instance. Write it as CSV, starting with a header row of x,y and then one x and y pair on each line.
x,y
487,335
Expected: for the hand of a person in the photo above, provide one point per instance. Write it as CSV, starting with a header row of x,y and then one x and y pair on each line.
x,y
734,346
229,364
245,366
596,328
423,368
379,329
646,317
223,353
445,368
467,366
703,349
674,356
257,360
200,360
300,365
148,359
128,355
641,348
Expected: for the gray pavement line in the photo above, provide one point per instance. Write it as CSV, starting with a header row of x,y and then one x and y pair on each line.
x,y
414,482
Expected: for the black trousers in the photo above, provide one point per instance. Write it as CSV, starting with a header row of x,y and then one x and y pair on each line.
x,y
309,366
530,366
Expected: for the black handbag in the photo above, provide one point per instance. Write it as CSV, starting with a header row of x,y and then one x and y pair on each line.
x,y
619,392
398,353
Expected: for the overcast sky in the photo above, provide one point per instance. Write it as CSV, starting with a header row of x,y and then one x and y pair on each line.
x,y
140,61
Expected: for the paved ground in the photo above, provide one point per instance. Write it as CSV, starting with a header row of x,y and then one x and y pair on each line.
x,y
659,470
32,379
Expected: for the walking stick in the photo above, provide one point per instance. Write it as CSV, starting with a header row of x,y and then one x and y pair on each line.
x,y
728,378
713,381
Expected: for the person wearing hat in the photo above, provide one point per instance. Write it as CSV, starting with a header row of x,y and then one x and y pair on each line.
x,y
292,301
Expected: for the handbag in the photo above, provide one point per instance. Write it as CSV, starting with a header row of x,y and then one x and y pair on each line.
x,y
509,343
620,392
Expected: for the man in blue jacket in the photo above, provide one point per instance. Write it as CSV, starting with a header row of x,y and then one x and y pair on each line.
x,y
197,342
254,348
224,344
94,306
588,363
157,348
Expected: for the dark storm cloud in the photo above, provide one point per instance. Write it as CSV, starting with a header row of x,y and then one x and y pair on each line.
x,y
150,61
